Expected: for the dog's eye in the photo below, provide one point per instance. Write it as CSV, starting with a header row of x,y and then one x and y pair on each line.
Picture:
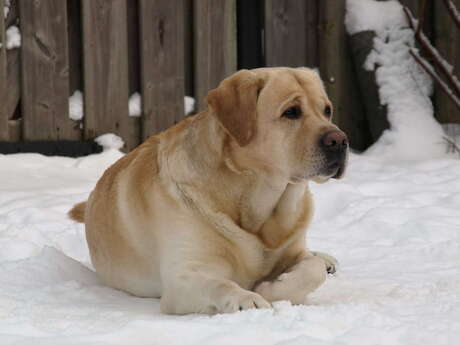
x,y
328,111
292,113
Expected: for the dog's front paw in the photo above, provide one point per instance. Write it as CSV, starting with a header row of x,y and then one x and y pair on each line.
x,y
331,263
243,301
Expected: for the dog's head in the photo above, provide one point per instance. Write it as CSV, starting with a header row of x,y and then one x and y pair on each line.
x,y
280,121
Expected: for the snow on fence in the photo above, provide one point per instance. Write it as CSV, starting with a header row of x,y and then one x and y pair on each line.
x,y
98,54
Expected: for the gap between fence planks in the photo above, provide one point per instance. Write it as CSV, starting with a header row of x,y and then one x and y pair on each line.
x,y
3,78
45,71
162,64
105,65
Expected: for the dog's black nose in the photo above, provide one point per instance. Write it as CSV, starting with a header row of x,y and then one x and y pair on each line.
x,y
334,141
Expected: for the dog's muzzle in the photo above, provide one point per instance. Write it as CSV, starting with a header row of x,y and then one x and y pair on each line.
x,y
334,145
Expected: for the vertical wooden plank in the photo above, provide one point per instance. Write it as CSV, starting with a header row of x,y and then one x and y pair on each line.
x,y
3,78
45,71
162,64
337,72
447,40
290,32
215,45
105,66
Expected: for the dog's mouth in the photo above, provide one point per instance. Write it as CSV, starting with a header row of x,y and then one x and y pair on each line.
x,y
336,169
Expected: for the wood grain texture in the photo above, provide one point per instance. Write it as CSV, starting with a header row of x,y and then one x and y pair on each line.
x,y
45,71
105,65
215,45
162,64
3,79
337,72
291,33
448,43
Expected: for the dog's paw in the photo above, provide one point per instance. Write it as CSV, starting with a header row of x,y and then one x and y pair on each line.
x,y
243,301
331,263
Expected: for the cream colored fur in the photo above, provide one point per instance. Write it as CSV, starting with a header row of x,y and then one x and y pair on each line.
x,y
211,215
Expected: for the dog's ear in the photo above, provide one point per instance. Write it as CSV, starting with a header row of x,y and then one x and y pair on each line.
x,y
234,104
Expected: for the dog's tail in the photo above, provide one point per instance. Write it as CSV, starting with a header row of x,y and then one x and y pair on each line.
x,y
77,213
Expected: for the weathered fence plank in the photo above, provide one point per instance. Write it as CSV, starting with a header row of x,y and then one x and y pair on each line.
x,y
448,43
215,45
338,75
45,71
3,78
105,66
291,33
162,64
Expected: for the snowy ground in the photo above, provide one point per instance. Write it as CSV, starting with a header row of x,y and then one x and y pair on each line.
x,y
394,227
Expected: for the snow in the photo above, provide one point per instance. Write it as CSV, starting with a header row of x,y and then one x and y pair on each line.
x,y
370,15
189,104
394,227
76,111
6,8
135,105
13,37
404,87
110,141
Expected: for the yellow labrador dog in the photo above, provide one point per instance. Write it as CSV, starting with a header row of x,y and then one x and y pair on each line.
x,y
211,215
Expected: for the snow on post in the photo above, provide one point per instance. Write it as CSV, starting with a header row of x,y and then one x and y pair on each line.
x,y
404,87
135,105
76,106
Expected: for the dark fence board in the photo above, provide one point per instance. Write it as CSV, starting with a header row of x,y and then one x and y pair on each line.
x,y
337,72
11,100
290,33
250,33
133,46
106,85
45,71
162,64
215,45
448,43
3,78
188,47
75,45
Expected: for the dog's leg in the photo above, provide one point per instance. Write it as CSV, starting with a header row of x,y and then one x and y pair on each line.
x,y
297,282
331,263
198,292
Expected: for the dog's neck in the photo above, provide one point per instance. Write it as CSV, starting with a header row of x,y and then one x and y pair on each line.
x,y
249,196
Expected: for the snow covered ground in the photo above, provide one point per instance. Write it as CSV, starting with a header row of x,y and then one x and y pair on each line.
x,y
395,228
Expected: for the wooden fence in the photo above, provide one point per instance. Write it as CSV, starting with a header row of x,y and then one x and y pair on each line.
x,y
165,49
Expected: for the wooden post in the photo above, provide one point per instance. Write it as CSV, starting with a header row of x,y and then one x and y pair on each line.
x,y
448,43
3,78
338,75
291,33
105,65
45,71
215,45
162,64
